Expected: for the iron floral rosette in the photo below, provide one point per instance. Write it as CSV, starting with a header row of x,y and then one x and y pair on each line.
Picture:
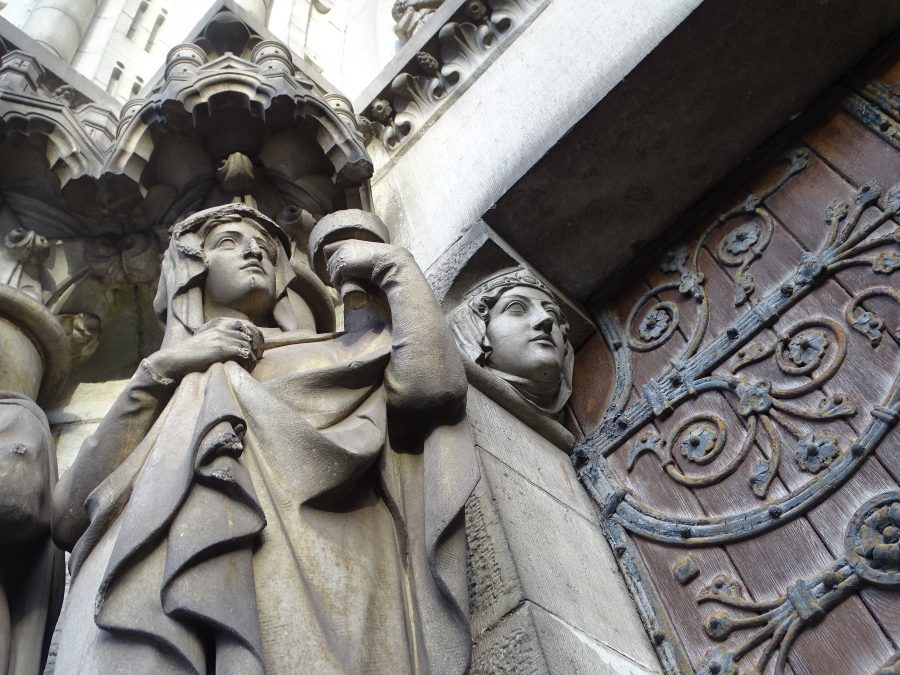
x,y
872,542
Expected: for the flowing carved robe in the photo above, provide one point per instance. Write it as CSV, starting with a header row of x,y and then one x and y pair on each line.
x,y
270,514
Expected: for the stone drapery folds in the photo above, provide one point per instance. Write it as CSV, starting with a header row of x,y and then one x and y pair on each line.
x,y
252,510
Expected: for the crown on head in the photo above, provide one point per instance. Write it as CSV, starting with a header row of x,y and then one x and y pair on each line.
x,y
516,276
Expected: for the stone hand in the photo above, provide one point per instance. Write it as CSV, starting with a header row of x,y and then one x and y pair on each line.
x,y
367,260
216,341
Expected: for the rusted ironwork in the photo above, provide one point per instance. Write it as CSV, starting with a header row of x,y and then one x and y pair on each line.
x,y
871,557
701,450
799,351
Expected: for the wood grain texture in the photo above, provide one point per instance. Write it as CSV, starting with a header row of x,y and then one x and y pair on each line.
x,y
842,155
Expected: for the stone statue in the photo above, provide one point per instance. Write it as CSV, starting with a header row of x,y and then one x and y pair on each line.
x,y
31,573
409,15
514,337
34,363
266,498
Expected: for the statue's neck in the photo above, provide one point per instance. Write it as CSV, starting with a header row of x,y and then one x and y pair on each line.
x,y
544,395
214,311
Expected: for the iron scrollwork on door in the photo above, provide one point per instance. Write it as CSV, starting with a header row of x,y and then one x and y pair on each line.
x,y
871,557
699,451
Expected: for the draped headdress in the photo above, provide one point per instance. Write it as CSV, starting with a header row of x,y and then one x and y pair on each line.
x,y
469,324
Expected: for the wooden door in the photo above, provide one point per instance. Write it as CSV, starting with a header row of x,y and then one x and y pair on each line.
x,y
747,462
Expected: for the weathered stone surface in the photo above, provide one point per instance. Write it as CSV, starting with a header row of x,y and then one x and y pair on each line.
x,y
31,568
564,563
87,402
569,650
35,347
70,438
494,587
534,641
507,119
22,366
533,537
690,112
505,437
268,508
512,646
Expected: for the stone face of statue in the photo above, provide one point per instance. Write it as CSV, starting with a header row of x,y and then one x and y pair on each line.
x,y
525,335
241,271
514,336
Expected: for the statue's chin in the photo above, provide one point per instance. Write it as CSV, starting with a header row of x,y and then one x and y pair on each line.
x,y
544,369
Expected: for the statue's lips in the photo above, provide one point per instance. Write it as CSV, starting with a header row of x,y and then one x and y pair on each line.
x,y
543,339
253,266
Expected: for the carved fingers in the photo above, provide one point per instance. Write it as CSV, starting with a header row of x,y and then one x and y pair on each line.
x,y
237,333
357,259
230,339
217,341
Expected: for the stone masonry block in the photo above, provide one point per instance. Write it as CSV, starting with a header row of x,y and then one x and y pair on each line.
x,y
506,438
564,564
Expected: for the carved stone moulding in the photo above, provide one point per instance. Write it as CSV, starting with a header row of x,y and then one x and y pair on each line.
x,y
445,65
202,84
36,351
75,138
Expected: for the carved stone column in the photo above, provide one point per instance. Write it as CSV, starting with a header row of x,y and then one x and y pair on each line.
x,y
61,24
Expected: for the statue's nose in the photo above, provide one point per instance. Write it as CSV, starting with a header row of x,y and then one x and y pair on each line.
x,y
544,323
252,249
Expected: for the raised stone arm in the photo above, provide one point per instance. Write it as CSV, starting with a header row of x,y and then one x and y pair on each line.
x,y
425,371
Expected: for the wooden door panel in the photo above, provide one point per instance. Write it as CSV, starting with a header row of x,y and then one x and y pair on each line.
x,y
747,464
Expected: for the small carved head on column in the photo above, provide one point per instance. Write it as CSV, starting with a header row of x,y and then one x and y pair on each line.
x,y
511,325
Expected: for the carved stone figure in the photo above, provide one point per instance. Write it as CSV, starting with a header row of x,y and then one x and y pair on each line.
x,y
515,339
34,360
31,580
409,15
266,498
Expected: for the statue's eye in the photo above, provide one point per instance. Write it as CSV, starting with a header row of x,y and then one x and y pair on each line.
x,y
515,306
226,242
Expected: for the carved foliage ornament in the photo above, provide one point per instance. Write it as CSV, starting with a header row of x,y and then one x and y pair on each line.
x,y
477,32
